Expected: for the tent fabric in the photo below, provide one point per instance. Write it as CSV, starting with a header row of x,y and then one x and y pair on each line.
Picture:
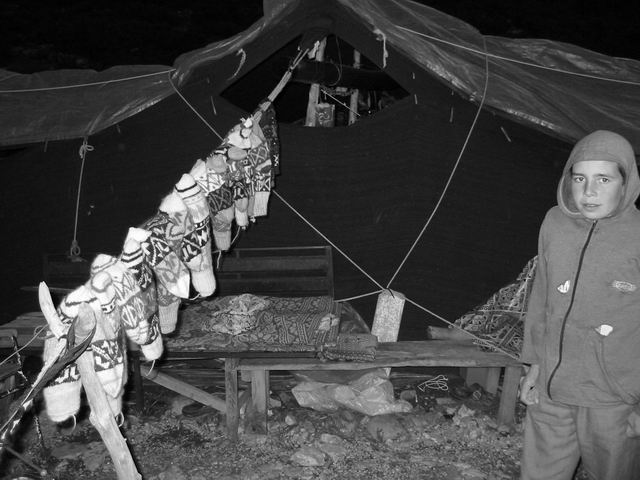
x,y
565,90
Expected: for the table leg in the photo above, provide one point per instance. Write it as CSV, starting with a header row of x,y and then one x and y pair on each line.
x,y
509,396
260,399
231,397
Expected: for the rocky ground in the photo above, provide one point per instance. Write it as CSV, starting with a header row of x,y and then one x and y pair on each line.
x,y
439,438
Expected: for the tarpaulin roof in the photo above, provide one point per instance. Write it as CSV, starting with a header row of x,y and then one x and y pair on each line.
x,y
563,89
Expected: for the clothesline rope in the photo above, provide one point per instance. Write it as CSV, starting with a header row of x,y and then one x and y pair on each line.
x,y
328,240
453,171
375,292
481,340
193,108
90,84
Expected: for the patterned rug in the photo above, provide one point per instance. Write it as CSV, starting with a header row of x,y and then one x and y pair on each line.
x,y
267,324
500,321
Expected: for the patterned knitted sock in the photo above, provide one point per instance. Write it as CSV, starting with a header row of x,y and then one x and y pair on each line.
x,y
196,245
269,127
221,226
62,394
108,355
168,305
238,183
133,258
260,158
161,254
219,193
128,296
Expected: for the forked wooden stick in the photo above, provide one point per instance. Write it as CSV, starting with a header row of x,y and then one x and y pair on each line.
x,y
100,417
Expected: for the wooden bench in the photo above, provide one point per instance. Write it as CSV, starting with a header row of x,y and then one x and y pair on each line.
x,y
428,353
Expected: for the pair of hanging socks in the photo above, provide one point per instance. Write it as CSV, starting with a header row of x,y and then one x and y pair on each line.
x,y
196,245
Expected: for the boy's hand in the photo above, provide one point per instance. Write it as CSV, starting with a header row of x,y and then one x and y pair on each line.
x,y
633,424
528,390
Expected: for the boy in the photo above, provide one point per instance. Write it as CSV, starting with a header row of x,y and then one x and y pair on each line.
x,y
582,329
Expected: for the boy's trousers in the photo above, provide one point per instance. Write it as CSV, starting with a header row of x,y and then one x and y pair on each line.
x,y
558,435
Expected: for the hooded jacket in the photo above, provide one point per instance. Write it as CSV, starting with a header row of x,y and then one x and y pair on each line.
x,y
583,321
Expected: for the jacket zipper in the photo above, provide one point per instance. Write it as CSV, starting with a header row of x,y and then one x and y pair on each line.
x,y
566,315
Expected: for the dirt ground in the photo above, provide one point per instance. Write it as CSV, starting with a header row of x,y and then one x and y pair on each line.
x,y
446,435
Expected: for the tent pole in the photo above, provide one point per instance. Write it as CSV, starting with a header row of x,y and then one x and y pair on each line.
x,y
353,101
314,89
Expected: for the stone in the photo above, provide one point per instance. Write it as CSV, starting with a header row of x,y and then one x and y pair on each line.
x,y
309,457
385,428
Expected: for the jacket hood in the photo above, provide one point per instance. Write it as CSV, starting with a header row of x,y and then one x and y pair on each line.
x,y
607,146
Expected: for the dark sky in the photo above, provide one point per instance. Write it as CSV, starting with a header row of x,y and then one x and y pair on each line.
x,y
44,34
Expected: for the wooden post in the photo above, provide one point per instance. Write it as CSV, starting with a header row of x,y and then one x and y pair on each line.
x,y
314,89
101,417
231,390
353,100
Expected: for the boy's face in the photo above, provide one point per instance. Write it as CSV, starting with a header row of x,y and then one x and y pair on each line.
x,y
596,187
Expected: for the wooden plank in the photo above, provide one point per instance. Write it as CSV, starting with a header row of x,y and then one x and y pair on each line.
x,y
183,388
429,353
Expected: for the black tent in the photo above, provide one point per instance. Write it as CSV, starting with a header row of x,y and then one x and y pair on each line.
x,y
438,196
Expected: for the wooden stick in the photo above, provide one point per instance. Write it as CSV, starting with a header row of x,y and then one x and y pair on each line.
x,y
185,389
101,417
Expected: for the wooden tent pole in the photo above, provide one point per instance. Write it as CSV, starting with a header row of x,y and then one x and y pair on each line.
x,y
314,89
353,100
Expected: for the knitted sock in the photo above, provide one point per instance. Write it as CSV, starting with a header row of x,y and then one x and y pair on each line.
x,y
133,258
108,355
238,183
196,245
260,158
62,394
161,254
221,227
128,296
219,193
269,127
168,305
